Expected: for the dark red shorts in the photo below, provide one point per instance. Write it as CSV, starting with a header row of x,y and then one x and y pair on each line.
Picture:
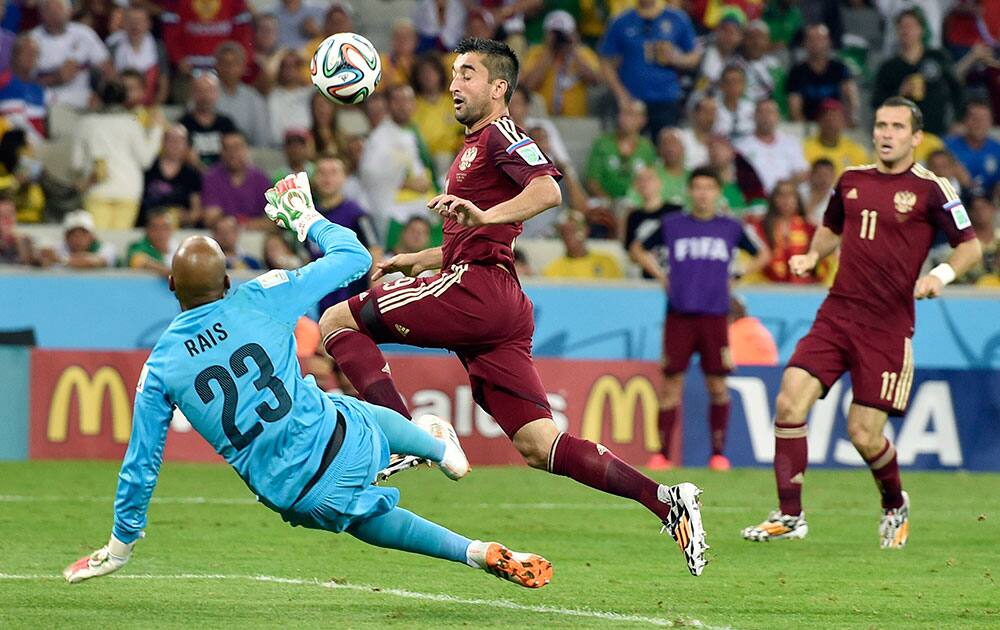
x,y
480,313
708,335
880,363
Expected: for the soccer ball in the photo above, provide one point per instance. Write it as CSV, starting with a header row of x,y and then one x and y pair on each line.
x,y
346,68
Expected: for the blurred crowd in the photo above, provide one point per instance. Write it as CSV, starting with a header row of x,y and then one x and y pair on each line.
x,y
174,104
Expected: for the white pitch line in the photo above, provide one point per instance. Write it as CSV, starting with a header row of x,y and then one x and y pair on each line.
x,y
395,592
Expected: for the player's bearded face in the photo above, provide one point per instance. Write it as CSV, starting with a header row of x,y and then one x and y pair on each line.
x,y
470,89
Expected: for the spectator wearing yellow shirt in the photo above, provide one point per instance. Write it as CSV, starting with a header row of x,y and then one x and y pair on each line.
x,y
434,113
830,141
579,262
561,68
397,64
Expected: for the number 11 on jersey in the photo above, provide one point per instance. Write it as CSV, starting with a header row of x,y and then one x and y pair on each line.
x,y
868,220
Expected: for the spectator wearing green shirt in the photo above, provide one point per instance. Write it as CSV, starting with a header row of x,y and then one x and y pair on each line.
x,y
669,168
156,250
615,157
722,157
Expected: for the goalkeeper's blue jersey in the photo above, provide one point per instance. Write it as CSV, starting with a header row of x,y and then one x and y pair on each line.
x,y
230,366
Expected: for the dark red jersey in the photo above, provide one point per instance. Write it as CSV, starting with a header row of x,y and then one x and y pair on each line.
x,y
887,224
494,166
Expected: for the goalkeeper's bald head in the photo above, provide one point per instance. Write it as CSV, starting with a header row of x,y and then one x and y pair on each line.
x,y
198,273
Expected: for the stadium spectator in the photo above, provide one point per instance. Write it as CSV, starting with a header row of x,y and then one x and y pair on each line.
x,y
922,75
825,12
69,51
513,19
156,249
562,68
820,77
20,176
815,191
616,156
234,186
983,214
764,71
643,54
226,233
784,20
241,103
735,112
975,149
980,70
645,219
339,18
204,123
289,100
328,192
943,164
863,21
520,108
415,237
110,153
80,247
830,141
735,173
704,114
439,23
7,38
574,196
399,64
434,111
669,168
325,129
700,248
481,23
103,16
263,66
134,48
930,13
299,154
298,22
22,99
135,98
723,50
578,261
750,342
16,248
192,32
787,231
773,154
171,182
391,170
278,254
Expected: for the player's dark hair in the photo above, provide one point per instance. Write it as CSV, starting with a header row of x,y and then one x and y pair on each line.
x,y
916,116
499,59
705,171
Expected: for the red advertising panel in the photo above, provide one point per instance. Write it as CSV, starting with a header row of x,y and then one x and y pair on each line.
x,y
81,408
81,405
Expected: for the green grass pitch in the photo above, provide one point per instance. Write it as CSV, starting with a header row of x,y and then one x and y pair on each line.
x,y
208,546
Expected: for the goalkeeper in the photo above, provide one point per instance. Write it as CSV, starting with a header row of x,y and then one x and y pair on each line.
x,y
228,363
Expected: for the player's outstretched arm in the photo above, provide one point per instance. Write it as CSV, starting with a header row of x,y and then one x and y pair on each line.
x,y
150,419
411,265
964,257
539,195
824,243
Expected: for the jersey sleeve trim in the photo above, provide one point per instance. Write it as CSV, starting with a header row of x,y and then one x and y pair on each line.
x,y
946,188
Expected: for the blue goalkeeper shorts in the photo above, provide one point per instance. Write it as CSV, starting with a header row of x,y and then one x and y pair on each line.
x,y
344,494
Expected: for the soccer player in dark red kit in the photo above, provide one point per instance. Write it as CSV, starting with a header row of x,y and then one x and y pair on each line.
x,y
884,217
475,306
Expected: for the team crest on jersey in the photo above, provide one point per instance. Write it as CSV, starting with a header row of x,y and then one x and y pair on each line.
x,y
467,158
904,201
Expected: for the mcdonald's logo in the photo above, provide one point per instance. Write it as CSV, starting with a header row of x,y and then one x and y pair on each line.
x,y
638,393
90,394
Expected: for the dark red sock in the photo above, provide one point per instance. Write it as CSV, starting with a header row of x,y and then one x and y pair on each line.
x,y
791,454
718,423
885,469
668,420
595,466
365,366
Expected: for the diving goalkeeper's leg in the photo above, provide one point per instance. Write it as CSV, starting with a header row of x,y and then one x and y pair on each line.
x,y
403,530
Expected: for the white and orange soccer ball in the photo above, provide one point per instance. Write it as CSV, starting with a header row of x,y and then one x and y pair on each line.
x,y
346,68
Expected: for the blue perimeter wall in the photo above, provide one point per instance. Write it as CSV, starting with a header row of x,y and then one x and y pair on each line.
x,y
574,321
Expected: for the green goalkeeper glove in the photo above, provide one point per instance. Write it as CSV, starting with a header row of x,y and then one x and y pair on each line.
x,y
290,205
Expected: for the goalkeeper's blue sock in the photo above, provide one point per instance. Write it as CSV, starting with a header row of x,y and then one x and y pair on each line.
x,y
406,438
403,530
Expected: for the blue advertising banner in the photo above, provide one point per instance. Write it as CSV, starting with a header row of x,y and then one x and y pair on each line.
x,y
953,421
